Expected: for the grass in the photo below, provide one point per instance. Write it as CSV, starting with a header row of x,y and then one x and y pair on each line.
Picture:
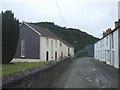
x,y
18,66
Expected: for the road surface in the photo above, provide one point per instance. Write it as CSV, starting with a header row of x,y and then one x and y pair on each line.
x,y
87,73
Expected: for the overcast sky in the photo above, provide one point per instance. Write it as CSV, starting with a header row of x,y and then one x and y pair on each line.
x,y
91,16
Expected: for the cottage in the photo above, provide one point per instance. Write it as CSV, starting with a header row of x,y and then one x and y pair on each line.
x,y
107,49
39,43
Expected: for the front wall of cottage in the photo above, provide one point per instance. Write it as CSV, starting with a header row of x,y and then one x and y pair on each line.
x,y
31,43
116,49
71,51
52,49
64,50
48,48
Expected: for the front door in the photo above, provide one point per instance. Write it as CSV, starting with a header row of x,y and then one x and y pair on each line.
x,y
55,55
113,58
47,56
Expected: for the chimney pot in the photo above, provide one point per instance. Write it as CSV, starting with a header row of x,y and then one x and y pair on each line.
x,y
116,24
104,33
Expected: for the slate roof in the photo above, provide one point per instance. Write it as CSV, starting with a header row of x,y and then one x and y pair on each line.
x,y
68,44
44,31
47,33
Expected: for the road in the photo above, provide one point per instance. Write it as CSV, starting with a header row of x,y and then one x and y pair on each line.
x,y
87,73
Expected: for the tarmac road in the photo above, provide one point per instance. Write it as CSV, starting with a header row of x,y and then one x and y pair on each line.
x,y
87,73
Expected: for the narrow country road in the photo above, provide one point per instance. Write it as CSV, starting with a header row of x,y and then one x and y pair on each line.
x,y
87,73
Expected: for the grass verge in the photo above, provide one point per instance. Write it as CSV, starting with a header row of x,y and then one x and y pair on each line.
x,y
18,66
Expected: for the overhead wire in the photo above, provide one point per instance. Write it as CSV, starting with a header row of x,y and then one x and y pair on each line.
x,y
60,12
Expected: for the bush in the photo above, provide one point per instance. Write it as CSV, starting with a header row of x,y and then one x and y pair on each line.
x,y
10,36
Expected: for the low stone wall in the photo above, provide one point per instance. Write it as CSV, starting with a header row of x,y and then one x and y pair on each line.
x,y
37,77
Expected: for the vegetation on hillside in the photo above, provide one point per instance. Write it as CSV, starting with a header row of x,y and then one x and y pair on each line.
x,y
75,37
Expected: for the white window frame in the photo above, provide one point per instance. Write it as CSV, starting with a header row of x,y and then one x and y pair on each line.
x,y
56,43
23,48
47,42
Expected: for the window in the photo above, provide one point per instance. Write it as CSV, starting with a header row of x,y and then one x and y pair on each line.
x,y
52,49
107,41
22,48
103,42
112,40
47,41
60,44
56,43
108,55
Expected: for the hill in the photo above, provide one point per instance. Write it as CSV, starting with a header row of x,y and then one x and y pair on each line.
x,y
76,37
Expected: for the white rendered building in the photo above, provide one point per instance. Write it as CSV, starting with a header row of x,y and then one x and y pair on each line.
x,y
107,49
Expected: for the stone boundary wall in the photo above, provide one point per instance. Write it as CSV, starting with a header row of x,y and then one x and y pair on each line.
x,y
37,77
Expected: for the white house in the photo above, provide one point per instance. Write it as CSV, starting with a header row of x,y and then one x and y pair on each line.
x,y
107,49
41,44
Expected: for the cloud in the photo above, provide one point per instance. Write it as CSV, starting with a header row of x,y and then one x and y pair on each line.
x,y
91,16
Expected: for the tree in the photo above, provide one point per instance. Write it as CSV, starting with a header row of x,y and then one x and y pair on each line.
x,y
10,36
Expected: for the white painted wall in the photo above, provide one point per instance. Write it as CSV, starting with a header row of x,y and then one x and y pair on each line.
x,y
56,48
103,50
71,51
64,49
44,48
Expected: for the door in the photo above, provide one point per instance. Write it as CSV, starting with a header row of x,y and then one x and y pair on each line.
x,y
113,58
68,51
61,54
47,56
55,55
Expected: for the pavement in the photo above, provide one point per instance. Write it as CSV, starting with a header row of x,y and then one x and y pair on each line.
x,y
86,72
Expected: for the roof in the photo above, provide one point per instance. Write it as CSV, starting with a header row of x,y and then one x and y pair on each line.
x,y
45,32
67,43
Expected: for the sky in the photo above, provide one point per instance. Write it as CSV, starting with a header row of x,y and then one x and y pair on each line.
x,y
91,16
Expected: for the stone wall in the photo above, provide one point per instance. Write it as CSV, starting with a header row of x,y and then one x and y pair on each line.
x,y
37,77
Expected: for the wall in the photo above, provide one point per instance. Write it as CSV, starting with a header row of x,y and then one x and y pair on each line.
x,y
31,39
71,51
115,49
37,77
104,49
63,49
44,48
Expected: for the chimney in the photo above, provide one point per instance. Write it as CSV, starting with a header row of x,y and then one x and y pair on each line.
x,y
104,33
117,23
108,30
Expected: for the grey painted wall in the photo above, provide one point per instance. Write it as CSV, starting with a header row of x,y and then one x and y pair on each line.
x,y
32,43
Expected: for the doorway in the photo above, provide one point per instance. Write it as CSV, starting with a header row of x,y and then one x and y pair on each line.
x,y
61,54
113,58
55,55
47,56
